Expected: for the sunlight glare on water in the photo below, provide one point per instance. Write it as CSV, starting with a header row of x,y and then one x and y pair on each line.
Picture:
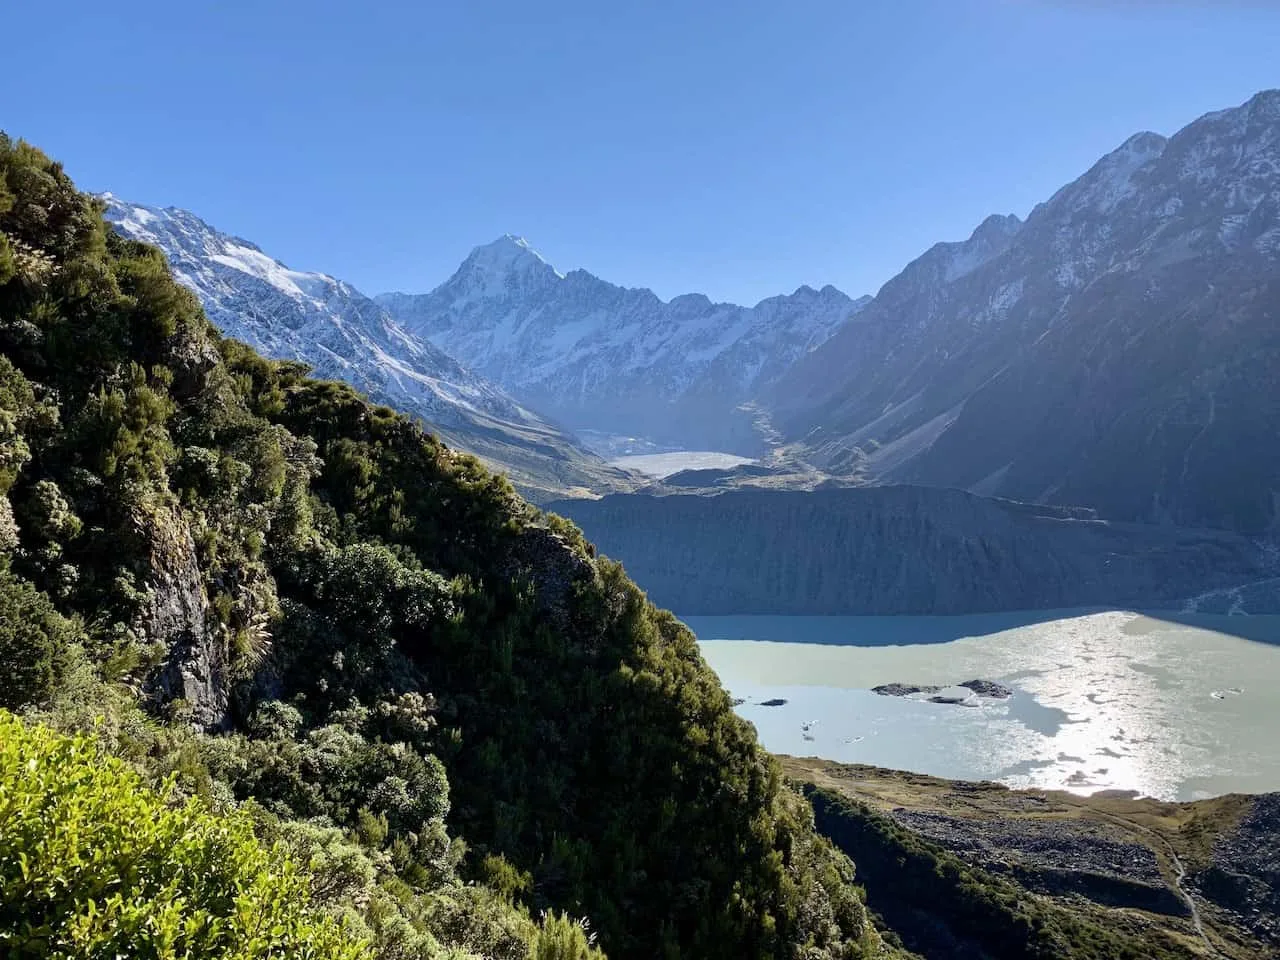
x,y
1168,705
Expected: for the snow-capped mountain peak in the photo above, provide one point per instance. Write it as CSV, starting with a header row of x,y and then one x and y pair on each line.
x,y
603,357
1111,179
313,317
343,335
509,247
495,270
193,246
508,254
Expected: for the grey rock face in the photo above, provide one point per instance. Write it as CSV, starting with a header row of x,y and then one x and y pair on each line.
x,y
988,688
1072,858
901,550
1120,349
982,688
551,567
176,614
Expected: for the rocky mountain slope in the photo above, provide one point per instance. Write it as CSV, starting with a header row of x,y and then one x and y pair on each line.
x,y
1120,349
904,550
343,335
617,360
943,860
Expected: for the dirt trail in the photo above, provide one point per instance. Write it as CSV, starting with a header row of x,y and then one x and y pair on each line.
x,y
1179,869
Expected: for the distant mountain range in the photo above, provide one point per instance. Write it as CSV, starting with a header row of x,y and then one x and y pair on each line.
x,y
617,360
1120,349
343,335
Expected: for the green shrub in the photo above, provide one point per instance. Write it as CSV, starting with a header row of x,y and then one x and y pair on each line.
x,y
16,402
95,864
34,640
559,938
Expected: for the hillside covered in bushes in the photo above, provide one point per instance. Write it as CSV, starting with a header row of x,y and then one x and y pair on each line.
x,y
263,594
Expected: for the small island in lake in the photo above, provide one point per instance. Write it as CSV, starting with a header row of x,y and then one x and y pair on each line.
x,y
955,693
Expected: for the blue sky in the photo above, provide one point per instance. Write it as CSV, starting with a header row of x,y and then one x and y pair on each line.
x,y
732,147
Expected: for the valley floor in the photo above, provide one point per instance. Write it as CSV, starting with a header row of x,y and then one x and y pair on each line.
x,y
1203,876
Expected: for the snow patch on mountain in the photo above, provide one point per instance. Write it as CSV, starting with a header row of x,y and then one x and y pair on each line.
x,y
610,358
313,317
343,335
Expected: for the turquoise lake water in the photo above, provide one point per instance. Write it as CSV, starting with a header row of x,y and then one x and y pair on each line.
x,y
1171,705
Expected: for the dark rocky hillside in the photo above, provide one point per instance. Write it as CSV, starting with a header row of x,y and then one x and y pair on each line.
x,y
979,870
1120,349
901,549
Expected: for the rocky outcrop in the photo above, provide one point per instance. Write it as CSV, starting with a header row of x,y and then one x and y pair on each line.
x,y
192,355
980,688
546,561
1077,857
903,689
175,614
958,868
900,550
988,688
1243,878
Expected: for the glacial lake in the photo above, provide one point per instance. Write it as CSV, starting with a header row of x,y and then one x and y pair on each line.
x,y
1178,706
662,465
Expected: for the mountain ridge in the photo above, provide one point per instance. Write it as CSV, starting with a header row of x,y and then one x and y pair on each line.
x,y
618,359
1114,350
330,325
1126,316
903,550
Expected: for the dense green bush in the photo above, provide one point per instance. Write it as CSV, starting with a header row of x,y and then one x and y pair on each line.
x,y
559,938
34,642
333,772
597,752
400,652
95,864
